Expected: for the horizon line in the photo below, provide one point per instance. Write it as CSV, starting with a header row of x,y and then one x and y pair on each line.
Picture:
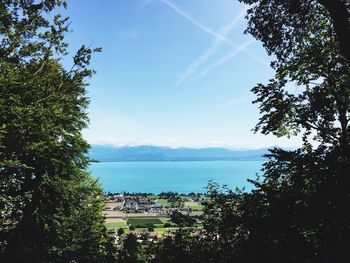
x,y
187,146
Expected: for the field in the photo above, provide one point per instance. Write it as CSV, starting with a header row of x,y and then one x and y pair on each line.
x,y
158,222
117,223
163,230
195,205
118,219
144,221
163,202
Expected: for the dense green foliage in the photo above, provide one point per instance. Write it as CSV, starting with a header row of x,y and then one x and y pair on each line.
x,y
182,220
51,209
144,221
120,231
130,252
298,211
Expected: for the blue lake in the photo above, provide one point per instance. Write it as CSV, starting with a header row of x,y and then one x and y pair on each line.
x,y
182,177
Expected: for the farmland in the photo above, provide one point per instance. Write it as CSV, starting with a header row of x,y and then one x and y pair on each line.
x,y
144,221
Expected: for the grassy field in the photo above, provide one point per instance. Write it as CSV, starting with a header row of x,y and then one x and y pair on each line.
x,y
163,202
195,206
163,230
116,224
143,221
165,220
137,221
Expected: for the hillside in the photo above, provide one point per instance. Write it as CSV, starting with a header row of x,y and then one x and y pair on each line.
x,y
108,153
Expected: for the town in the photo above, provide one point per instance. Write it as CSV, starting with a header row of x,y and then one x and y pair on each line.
x,y
148,216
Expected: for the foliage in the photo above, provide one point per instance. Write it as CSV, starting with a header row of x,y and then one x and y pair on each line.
x,y
177,248
120,231
182,220
297,211
150,227
144,221
130,252
45,191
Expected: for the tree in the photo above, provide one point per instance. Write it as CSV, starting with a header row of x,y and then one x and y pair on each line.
x,y
150,227
177,248
176,201
51,208
309,56
182,220
339,12
130,252
120,231
298,209
310,185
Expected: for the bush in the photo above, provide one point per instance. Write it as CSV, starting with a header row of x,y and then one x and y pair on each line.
x,y
120,231
150,227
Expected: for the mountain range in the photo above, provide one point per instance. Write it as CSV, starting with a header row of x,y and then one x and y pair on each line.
x,y
109,153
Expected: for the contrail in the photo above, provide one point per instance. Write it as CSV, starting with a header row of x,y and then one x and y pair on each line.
x,y
207,29
224,59
183,13
225,30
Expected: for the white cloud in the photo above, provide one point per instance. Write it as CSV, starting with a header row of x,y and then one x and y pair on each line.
x,y
254,141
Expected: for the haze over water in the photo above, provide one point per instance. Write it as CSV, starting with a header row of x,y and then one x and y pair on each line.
x,y
182,177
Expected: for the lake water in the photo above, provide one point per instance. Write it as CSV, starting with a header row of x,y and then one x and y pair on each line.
x,y
182,177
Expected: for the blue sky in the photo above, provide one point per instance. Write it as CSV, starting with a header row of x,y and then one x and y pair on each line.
x,y
172,72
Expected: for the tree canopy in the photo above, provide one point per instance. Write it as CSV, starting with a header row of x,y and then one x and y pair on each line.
x,y
51,208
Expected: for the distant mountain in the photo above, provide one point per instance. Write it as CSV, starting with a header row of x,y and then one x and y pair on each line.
x,y
108,153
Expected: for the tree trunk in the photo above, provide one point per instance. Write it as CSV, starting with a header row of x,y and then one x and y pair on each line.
x,y
341,23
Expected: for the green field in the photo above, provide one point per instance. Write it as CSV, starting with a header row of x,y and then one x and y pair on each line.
x,y
163,202
165,220
197,207
143,221
115,224
163,230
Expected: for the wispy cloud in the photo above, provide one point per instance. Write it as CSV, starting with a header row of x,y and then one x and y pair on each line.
x,y
210,31
224,31
224,59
